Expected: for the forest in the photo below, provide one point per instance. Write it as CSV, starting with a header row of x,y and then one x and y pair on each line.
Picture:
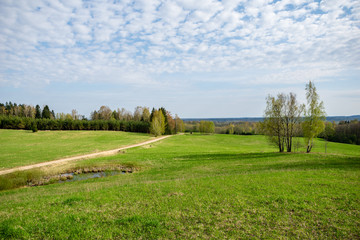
x,y
22,116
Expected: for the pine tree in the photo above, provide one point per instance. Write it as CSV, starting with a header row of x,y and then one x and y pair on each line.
x,y
152,114
46,112
37,111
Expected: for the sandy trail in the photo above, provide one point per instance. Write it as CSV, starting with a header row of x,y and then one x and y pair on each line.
x,y
91,155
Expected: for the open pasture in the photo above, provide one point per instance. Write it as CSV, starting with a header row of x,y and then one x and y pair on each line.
x,y
198,186
20,147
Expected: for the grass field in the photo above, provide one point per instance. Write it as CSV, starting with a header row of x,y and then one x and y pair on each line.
x,y
198,186
19,148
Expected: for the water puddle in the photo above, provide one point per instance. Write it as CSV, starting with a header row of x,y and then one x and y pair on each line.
x,y
72,177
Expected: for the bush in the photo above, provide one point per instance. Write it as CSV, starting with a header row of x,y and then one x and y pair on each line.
x,y
34,127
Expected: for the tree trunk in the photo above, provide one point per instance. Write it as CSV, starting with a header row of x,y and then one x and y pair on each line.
x,y
308,149
288,143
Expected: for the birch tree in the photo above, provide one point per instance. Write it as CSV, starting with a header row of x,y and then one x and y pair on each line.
x,y
314,116
282,116
273,124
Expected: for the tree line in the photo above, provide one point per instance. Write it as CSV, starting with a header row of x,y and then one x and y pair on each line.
x,y
343,132
28,111
237,128
161,122
22,116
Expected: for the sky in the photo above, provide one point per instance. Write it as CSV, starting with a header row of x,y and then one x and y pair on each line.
x,y
196,58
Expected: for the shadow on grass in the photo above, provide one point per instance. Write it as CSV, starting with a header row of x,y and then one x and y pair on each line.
x,y
230,157
277,161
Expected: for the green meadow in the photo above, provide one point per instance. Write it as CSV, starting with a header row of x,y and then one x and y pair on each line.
x,y
20,147
195,187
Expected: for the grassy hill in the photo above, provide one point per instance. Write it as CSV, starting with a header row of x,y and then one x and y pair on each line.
x,y
19,148
198,186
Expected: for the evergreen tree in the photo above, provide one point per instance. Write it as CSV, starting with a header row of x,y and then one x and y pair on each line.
x,y
152,114
37,111
46,112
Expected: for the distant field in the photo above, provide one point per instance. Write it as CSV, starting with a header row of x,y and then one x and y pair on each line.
x,y
19,148
199,186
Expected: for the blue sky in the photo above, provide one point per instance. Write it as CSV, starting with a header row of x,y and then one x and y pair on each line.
x,y
197,58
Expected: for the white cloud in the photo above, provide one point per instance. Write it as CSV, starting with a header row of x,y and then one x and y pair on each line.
x,y
58,40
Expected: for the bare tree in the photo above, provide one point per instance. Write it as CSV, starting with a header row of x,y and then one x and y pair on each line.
x,y
138,113
105,113
124,115
29,111
75,115
146,114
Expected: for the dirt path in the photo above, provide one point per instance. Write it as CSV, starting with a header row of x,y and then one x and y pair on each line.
x,y
91,155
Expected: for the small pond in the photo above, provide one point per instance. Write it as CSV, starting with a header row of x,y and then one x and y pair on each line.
x,y
72,177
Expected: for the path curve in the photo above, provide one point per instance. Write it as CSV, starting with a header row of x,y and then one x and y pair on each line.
x,y
91,155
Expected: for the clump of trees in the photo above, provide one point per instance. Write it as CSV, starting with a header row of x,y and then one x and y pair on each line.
x,y
13,116
282,118
202,126
162,122
285,118
207,127
238,128
343,132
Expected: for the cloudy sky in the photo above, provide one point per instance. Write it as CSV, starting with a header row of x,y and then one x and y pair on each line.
x,y
197,58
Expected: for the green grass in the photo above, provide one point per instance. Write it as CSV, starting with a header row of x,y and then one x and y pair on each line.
x,y
194,186
19,148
